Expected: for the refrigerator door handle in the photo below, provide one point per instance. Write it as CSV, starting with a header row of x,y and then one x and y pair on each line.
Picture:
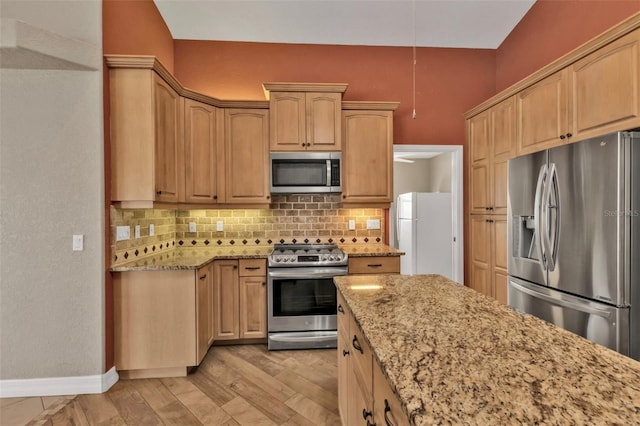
x,y
549,224
560,302
537,220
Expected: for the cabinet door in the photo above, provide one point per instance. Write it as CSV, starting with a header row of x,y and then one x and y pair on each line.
x,y
543,114
479,157
168,134
204,310
253,307
481,254
247,156
367,156
344,373
387,409
503,147
499,254
606,90
200,153
226,304
287,121
324,121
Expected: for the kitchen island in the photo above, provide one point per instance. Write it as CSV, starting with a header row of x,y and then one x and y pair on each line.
x,y
454,356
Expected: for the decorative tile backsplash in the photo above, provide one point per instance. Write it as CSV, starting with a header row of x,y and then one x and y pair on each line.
x,y
290,218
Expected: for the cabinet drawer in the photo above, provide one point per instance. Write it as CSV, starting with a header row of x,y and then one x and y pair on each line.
x,y
387,408
374,265
253,267
362,358
344,315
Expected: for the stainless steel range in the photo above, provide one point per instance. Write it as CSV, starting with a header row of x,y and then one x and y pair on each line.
x,y
302,296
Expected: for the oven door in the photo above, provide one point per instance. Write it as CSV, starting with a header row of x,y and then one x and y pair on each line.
x,y
302,307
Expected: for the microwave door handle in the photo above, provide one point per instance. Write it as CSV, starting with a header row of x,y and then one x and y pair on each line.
x,y
537,220
328,172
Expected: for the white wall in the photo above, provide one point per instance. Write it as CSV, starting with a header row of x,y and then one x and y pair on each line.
x,y
439,169
51,187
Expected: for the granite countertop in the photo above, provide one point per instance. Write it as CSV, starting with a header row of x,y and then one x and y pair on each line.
x,y
364,250
194,258
454,356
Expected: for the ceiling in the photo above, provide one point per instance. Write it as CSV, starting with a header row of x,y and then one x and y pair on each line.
x,y
438,23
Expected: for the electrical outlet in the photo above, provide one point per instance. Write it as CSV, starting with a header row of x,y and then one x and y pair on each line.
x,y
78,242
373,224
123,233
136,231
152,230
192,227
219,226
352,225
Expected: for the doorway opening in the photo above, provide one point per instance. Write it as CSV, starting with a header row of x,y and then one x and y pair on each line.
x,y
431,168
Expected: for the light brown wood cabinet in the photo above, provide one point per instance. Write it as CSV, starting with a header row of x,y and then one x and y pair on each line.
x,y
488,255
363,392
491,135
162,321
305,121
203,152
147,164
367,156
246,163
605,89
240,299
374,265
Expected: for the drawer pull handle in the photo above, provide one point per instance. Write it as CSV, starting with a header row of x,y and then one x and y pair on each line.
x,y
366,414
345,352
340,309
374,265
251,268
203,277
387,409
356,345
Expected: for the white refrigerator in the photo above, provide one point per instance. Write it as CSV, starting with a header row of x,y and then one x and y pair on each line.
x,y
425,233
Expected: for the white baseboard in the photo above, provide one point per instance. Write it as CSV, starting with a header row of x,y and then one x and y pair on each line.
x,y
99,383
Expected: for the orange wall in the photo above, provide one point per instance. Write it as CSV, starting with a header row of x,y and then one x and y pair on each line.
x,y
449,81
551,29
136,28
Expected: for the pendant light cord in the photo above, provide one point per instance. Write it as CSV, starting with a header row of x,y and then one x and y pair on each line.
x,y
414,57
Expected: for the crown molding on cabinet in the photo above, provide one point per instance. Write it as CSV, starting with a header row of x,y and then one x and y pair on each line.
x,y
614,33
370,106
304,87
152,63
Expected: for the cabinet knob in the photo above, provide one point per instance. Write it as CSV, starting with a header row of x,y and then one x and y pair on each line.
x,y
365,413
203,277
268,197
562,136
345,352
569,135
215,197
158,192
263,283
235,266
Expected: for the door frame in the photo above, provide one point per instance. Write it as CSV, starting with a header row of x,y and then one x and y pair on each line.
x,y
457,199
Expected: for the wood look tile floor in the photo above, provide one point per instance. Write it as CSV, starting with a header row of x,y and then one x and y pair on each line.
x,y
234,385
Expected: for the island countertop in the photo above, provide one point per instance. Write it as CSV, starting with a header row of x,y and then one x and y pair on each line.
x,y
454,356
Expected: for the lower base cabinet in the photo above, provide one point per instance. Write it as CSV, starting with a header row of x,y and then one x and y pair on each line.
x,y
163,321
240,299
364,395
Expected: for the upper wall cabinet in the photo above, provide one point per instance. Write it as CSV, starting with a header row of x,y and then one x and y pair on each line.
x,y
202,152
246,146
146,139
305,116
368,153
605,88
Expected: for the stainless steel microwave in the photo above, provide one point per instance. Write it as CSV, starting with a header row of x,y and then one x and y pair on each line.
x,y
306,172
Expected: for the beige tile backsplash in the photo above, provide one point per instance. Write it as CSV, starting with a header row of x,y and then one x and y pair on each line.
x,y
315,218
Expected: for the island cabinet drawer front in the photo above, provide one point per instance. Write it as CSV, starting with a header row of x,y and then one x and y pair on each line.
x,y
374,265
386,406
253,267
362,359
344,315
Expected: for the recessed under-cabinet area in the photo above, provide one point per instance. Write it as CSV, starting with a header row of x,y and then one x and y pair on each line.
x,y
589,92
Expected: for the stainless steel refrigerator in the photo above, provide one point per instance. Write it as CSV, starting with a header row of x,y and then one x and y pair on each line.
x,y
574,238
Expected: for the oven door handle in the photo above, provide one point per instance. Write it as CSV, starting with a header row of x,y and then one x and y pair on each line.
x,y
307,273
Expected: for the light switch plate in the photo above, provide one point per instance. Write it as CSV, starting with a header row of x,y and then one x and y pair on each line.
x,y
136,231
219,226
78,242
373,224
352,225
123,233
192,227
152,230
